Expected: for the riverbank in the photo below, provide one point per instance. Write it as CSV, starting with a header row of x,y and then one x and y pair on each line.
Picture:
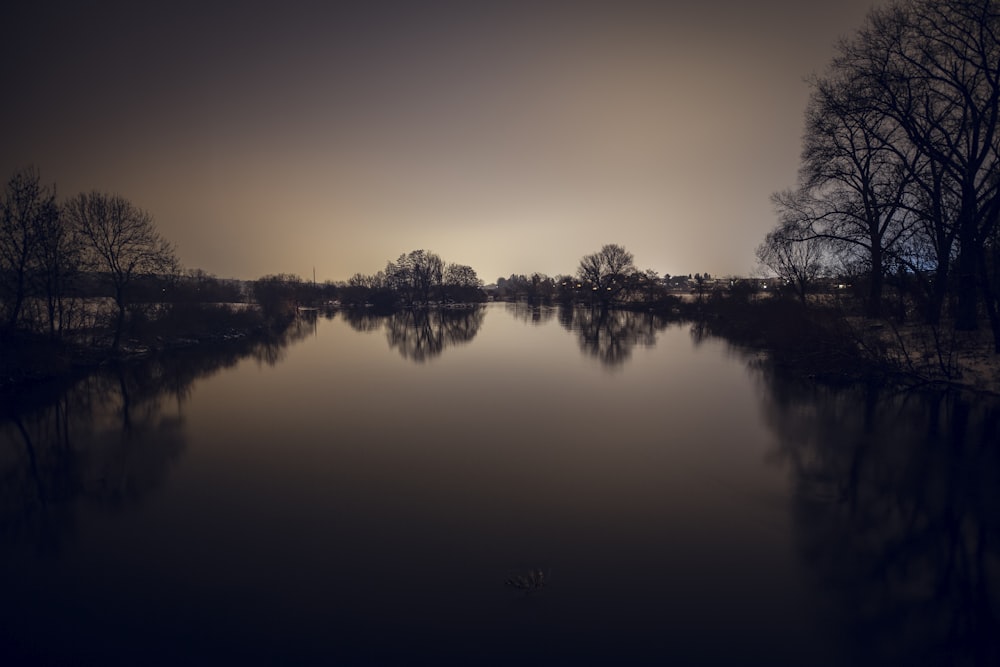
x,y
825,342
28,359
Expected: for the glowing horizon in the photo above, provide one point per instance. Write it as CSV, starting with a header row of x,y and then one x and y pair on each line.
x,y
513,138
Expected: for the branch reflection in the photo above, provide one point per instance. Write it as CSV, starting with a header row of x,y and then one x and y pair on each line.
x,y
105,441
530,313
611,335
896,504
420,334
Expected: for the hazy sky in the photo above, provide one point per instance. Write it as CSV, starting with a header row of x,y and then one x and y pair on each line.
x,y
513,137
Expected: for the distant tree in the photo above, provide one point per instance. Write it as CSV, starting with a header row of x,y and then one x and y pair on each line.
x,y
199,286
566,288
461,275
540,288
121,242
276,295
649,285
798,262
27,210
460,283
742,289
513,287
700,286
416,277
606,271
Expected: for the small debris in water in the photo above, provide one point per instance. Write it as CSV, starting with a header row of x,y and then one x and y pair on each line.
x,y
529,581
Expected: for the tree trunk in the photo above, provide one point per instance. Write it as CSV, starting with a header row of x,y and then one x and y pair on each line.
x,y
874,306
990,299
966,316
119,325
15,312
939,289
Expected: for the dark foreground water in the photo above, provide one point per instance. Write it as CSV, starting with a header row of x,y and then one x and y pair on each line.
x,y
361,493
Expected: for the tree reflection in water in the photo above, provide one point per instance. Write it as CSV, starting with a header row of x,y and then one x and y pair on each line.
x,y
106,441
611,335
533,313
897,500
271,350
420,334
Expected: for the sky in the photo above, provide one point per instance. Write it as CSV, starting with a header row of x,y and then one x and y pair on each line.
x,y
513,137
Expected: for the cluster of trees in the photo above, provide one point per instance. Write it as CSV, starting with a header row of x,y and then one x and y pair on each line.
x,y
632,285
900,179
53,252
60,259
416,278
608,276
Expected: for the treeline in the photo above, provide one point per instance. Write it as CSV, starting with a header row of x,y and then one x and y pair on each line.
x,y
421,278
62,263
417,278
608,277
93,270
899,182
53,254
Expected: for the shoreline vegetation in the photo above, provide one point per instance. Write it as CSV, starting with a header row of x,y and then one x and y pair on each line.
x,y
820,329
884,262
828,338
71,302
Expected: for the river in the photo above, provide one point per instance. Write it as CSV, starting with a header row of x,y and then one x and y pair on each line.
x,y
367,490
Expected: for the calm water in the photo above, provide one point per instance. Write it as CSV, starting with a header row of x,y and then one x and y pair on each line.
x,y
360,494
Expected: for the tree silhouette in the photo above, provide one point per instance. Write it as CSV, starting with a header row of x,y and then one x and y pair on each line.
x,y
606,272
797,261
28,213
122,243
901,159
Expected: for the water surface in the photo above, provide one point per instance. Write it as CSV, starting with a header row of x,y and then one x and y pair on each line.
x,y
360,494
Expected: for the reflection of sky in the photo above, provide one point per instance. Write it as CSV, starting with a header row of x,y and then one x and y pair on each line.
x,y
513,137
514,450
349,503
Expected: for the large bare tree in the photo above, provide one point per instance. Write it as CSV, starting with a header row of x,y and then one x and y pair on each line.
x,y
796,260
933,68
854,180
416,276
122,243
607,271
27,210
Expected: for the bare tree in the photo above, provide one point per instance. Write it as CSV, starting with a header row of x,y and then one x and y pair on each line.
x,y
855,174
120,242
797,261
461,283
461,275
57,265
277,296
933,67
607,271
27,208
416,276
